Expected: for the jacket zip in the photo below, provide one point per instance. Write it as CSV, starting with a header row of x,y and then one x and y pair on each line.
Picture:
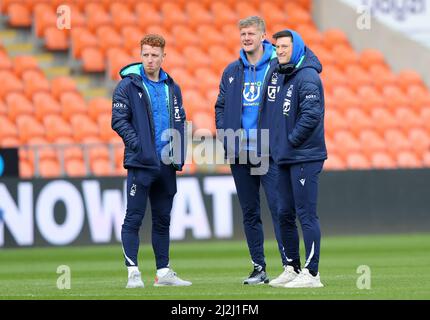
x,y
151,116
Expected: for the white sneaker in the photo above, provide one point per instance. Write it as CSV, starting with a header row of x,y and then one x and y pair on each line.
x,y
305,280
288,275
134,280
170,279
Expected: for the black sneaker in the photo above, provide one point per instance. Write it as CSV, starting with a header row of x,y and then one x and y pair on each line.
x,y
257,276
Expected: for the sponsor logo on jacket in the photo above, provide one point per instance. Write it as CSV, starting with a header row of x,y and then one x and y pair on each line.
x,y
177,114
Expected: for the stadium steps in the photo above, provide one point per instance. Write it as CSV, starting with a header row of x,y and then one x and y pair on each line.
x,y
54,64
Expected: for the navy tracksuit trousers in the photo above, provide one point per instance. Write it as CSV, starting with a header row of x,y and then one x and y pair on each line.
x,y
160,187
248,191
298,193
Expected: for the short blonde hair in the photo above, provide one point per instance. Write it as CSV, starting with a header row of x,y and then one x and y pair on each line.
x,y
252,21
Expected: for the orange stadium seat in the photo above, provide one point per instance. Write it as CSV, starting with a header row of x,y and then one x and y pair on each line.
x,y
230,32
131,36
194,102
44,19
63,140
56,128
18,105
334,37
206,79
209,36
29,127
211,97
3,108
173,15
419,140
370,57
72,104
5,61
23,63
220,58
382,76
296,15
407,119
334,121
81,38
10,142
271,12
77,17
310,34
425,118
73,152
198,15
61,85
394,97
383,120
25,169
369,98
98,152
408,159
119,156
418,97
173,59
195,58
19,15
49,168
408,78
96,16
360,76
56,39
101,167
147,15
108,38
382,160
183,78
37,141
117,59
98,107
333,77
75,168
222,13
122,16
345,56
371,142
346,97
356,160
396,141
93,60
324,55
8,128
348,141
34,82
426,159
358,120
105,130
83,127
184,36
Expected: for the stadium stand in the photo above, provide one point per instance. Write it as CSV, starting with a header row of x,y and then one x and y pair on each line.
x,y
375,118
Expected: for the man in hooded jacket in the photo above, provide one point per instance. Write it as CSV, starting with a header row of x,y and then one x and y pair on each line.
x,y
293,111
238,109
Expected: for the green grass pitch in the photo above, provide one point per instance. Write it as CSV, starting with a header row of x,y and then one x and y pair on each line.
x,y
399,266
